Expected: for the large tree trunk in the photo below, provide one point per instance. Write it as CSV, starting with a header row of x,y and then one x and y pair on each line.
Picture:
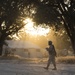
x,y
71,33
73,43
74,48
2,42
72,38
1,46
1,49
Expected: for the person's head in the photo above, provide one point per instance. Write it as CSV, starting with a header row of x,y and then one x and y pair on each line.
x,y
49,42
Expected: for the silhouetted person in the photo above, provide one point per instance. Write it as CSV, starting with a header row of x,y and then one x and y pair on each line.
x,y
52,54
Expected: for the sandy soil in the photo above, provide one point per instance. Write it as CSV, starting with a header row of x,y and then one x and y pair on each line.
x,y
13,68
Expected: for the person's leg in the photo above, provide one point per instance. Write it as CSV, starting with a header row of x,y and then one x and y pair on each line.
x,y
54,66
54,63
48,64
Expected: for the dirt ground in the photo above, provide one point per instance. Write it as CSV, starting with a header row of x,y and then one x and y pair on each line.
x,y
13,68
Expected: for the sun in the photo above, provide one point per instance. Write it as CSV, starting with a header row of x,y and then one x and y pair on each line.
x,y
32,29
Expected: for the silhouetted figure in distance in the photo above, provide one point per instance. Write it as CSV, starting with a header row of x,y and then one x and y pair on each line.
x,y
52,55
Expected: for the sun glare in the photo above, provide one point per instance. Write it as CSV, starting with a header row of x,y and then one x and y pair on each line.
x,y
31,29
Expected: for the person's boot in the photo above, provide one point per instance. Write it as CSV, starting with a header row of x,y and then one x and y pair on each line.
x,y
46,68
54,69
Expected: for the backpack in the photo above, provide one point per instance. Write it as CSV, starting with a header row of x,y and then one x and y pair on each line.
x,y
53,51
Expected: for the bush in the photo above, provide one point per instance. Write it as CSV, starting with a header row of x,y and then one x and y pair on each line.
x,y
66,60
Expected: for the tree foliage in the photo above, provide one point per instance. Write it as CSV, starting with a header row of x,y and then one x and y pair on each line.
x,y
12,14
58,13
55,13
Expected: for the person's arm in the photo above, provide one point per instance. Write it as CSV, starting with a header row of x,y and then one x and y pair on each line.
x,y
47,49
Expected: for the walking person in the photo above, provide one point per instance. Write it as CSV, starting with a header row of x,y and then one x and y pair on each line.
x,y
52,55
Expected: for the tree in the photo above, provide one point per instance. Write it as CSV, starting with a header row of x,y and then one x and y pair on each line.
x,y
58,13
12,14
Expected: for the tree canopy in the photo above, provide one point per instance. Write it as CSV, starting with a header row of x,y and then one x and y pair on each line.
x,y
55,13
12,14
58,13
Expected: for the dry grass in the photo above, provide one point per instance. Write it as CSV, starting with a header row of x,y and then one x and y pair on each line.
x,y
10,57
66,60
21,59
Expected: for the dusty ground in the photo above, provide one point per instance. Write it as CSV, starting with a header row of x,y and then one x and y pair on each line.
x,y
13,68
